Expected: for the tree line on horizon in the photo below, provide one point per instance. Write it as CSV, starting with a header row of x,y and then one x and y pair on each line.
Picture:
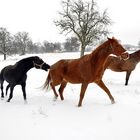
x,y
21,43
81,19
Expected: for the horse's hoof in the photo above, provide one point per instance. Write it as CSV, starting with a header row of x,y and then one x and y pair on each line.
x,y
79,105
25,102
113,102
8,100
55,98
2,98
62,99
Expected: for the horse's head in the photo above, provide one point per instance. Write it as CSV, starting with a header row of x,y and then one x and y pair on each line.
x,y
117,48
40,64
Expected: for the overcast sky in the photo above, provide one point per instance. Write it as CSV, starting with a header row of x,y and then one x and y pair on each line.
x,y
36,17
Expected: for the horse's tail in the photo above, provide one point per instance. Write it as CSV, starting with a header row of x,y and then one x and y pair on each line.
x,y
47,82
1,75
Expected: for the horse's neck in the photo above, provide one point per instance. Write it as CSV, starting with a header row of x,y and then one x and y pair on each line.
x,y
100,54
25,66
136,56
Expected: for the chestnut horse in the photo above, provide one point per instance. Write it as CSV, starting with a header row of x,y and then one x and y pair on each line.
x,y
85,70
119,65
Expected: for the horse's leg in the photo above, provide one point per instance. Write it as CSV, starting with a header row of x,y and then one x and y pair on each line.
x,y
102,85
2,93
11,93
7,88
23,85
82,93
127,77
61,89
53,88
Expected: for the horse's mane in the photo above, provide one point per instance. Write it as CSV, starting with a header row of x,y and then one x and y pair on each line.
x,y
136,52
97,51
135,56
24,60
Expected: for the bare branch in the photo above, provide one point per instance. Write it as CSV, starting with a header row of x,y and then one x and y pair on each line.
x,y
84,20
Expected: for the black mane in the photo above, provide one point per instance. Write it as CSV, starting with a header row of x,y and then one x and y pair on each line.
x,y
26,60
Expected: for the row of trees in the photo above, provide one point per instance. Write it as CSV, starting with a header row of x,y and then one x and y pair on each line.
x,y
21,43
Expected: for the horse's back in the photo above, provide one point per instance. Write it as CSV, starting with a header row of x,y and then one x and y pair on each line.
x,y
119,65
12,75
71,70
114,63
9,69
59,64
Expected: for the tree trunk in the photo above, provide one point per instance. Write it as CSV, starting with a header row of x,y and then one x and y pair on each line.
x,y
82,50
4,56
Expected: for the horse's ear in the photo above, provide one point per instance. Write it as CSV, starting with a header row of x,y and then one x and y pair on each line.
x,y
108,38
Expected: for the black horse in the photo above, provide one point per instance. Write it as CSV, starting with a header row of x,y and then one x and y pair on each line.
x,y
16,74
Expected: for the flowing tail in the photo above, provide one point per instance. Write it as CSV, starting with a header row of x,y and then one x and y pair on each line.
x,y
47,82
1,76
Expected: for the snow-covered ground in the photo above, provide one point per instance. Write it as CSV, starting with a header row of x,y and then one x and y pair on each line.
x,y
44,119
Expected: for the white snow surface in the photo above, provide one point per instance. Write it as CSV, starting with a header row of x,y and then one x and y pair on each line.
x,y
42,118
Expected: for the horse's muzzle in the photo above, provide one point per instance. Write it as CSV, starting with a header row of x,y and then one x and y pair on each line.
x,y
125,55
45,67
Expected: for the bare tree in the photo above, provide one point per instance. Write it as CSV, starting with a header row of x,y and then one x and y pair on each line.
x,y
22,41
5,41
84,20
